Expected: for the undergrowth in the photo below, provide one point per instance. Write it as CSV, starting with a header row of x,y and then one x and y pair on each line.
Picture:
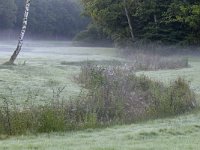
x,y
118,94
114,95
139,61
142,61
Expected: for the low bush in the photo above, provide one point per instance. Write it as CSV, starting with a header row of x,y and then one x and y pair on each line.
x,y
173,100
114,95
139,62
117,94
94,62
145,55
145,61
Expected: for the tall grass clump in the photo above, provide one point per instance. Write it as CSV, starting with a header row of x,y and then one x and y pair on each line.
x,y
139,61
146,55
113,95
146,61
53,116
173,100
118,95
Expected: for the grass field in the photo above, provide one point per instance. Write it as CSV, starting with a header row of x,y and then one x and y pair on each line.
x,y
180,133
39,68
43,72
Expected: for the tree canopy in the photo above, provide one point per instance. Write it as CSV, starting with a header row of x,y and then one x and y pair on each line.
x,y
167,21
171,21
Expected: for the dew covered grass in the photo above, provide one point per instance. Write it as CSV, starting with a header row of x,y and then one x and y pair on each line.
x,y
190,74
180,133
40,70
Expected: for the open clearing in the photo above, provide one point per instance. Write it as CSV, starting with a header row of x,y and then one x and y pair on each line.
x,y
39,68
43,72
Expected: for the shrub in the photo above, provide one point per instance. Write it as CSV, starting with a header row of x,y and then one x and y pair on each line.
x,y
142,61
118,95
46,119
173,100
114,95
138,61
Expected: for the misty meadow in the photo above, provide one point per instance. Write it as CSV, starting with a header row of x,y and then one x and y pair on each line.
x,y
99,74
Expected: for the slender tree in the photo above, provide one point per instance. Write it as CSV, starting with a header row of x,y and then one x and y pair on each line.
x,y
129,20
21,37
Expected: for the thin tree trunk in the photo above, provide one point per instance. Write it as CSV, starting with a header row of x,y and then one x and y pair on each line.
x,y
21,37
129,20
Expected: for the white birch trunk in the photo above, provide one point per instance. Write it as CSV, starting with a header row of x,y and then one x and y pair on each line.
x,y
21,37
129,20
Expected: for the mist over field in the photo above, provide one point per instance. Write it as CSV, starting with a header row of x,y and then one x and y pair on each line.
x,y
67,50
53,64
99,75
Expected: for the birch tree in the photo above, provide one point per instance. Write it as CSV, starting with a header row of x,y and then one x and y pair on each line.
x,y
21,37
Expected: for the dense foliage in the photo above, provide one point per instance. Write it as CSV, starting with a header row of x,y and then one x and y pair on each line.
x,y
47,17
114,96
171,21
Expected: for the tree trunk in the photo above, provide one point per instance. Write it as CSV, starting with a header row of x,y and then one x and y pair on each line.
x,y
129,20
21,37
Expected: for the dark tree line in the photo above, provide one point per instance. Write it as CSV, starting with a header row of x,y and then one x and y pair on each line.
x,y
168,21
47,17
8,11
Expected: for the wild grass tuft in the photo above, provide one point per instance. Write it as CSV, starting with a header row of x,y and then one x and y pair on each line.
x,y
114,95
145,61
118,95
